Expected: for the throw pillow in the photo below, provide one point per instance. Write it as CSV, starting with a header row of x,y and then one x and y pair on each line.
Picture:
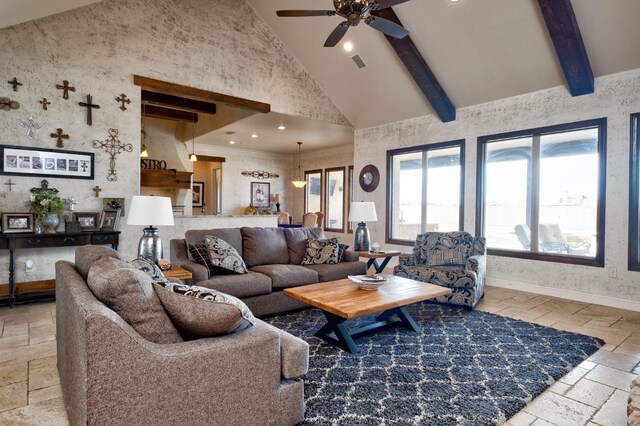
x,y
321,252
149,268
342,248
446,257
200,255
129,293
201,312
223,255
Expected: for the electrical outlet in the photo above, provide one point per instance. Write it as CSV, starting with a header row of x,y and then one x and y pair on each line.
x,y
613,273
28,266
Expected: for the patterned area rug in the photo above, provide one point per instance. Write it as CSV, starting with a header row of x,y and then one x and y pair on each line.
x,y
464,368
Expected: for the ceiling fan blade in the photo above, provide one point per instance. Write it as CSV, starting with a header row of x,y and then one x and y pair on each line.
x,y
389,28
337,34
296,13
383,4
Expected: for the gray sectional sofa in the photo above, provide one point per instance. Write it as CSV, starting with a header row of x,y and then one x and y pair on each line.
x,y
111,374
273,256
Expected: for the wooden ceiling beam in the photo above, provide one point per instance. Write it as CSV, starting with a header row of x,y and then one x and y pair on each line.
x,y
565,34
175,102
416,65
164,87
168,114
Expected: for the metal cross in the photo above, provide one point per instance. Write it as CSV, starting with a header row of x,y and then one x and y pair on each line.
x,y
97,190
44,103
123,98
65,86
89,106
59,135
113,147
30,125
10,184
15,84
72,203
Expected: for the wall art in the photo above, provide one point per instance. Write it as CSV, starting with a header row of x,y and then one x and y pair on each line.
x,y
260,194
24,161
197,194
260,174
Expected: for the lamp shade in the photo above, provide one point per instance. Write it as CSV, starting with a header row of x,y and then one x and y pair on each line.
x,y
150,210
362,211
276,198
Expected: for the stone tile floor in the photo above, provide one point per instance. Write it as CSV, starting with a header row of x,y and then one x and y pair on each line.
x,y
594,393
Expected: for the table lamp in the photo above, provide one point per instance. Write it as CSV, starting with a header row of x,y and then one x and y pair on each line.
x,y
362,211
150,210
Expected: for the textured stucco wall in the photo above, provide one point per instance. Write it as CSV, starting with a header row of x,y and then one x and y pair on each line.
x,y
218,45
616,96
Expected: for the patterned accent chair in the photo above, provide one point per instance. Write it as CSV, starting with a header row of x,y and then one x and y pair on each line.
x,y
456,260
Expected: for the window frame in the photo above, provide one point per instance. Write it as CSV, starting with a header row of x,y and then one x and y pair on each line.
x,y
424,149
349,199
327,171
601,125
634,199
306,174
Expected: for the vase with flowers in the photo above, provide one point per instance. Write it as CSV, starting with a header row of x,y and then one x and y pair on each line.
x,y
45,204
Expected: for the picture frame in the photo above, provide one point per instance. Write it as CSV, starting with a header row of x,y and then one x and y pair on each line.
x,y
14,223
113,203
260,194
89,221
30,161
197,194
110,219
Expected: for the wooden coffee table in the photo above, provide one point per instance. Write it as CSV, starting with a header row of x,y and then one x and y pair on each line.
x,y
342,300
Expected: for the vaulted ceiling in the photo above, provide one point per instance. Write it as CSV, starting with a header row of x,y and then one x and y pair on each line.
x,y
479,51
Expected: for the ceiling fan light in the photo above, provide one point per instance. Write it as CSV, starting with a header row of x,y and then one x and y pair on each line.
x,y
347,46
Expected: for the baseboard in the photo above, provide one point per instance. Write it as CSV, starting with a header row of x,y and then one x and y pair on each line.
x,y
631,305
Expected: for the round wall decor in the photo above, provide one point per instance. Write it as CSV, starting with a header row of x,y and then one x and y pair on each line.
x,y
369,178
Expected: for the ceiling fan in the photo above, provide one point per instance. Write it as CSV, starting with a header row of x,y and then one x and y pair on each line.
x,y
354,11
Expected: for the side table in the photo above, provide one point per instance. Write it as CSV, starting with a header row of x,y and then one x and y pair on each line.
x,y
177,273
374,256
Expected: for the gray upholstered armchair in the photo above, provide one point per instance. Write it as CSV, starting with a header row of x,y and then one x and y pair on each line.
x,y
456,260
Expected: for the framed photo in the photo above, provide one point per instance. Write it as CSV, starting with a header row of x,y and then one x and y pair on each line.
x,y
13,223
197,194
88,221
109,203
109,220
29,161
260,194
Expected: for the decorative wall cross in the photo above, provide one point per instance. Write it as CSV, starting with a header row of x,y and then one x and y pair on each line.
x,y
123,98
113,147
44,103
30,125
72,203
66,88
97,190
10,184
15,84
89,106
59,135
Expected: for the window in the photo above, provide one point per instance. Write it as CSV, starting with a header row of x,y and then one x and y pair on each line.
x,y
634,195
335,197
425,190
313,191
541,193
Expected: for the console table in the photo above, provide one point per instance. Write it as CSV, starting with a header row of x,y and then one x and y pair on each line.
x,y
13,242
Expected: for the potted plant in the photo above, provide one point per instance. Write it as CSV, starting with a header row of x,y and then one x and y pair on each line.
x,y
45,204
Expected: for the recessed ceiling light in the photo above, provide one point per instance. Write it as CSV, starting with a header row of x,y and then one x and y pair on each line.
x,y
453,1
253,135
347,46
281,127
232,142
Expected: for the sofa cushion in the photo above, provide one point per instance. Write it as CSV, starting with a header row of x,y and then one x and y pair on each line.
x,y
224,256
264,246
338,271
87,255
201,312
149,268
283,276
200,254
321,252
240,285
129,292
230,235
297,242
447,257
342,249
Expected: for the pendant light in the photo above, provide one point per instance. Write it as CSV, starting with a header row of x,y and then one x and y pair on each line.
x,y
193,156
143,148
298,182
